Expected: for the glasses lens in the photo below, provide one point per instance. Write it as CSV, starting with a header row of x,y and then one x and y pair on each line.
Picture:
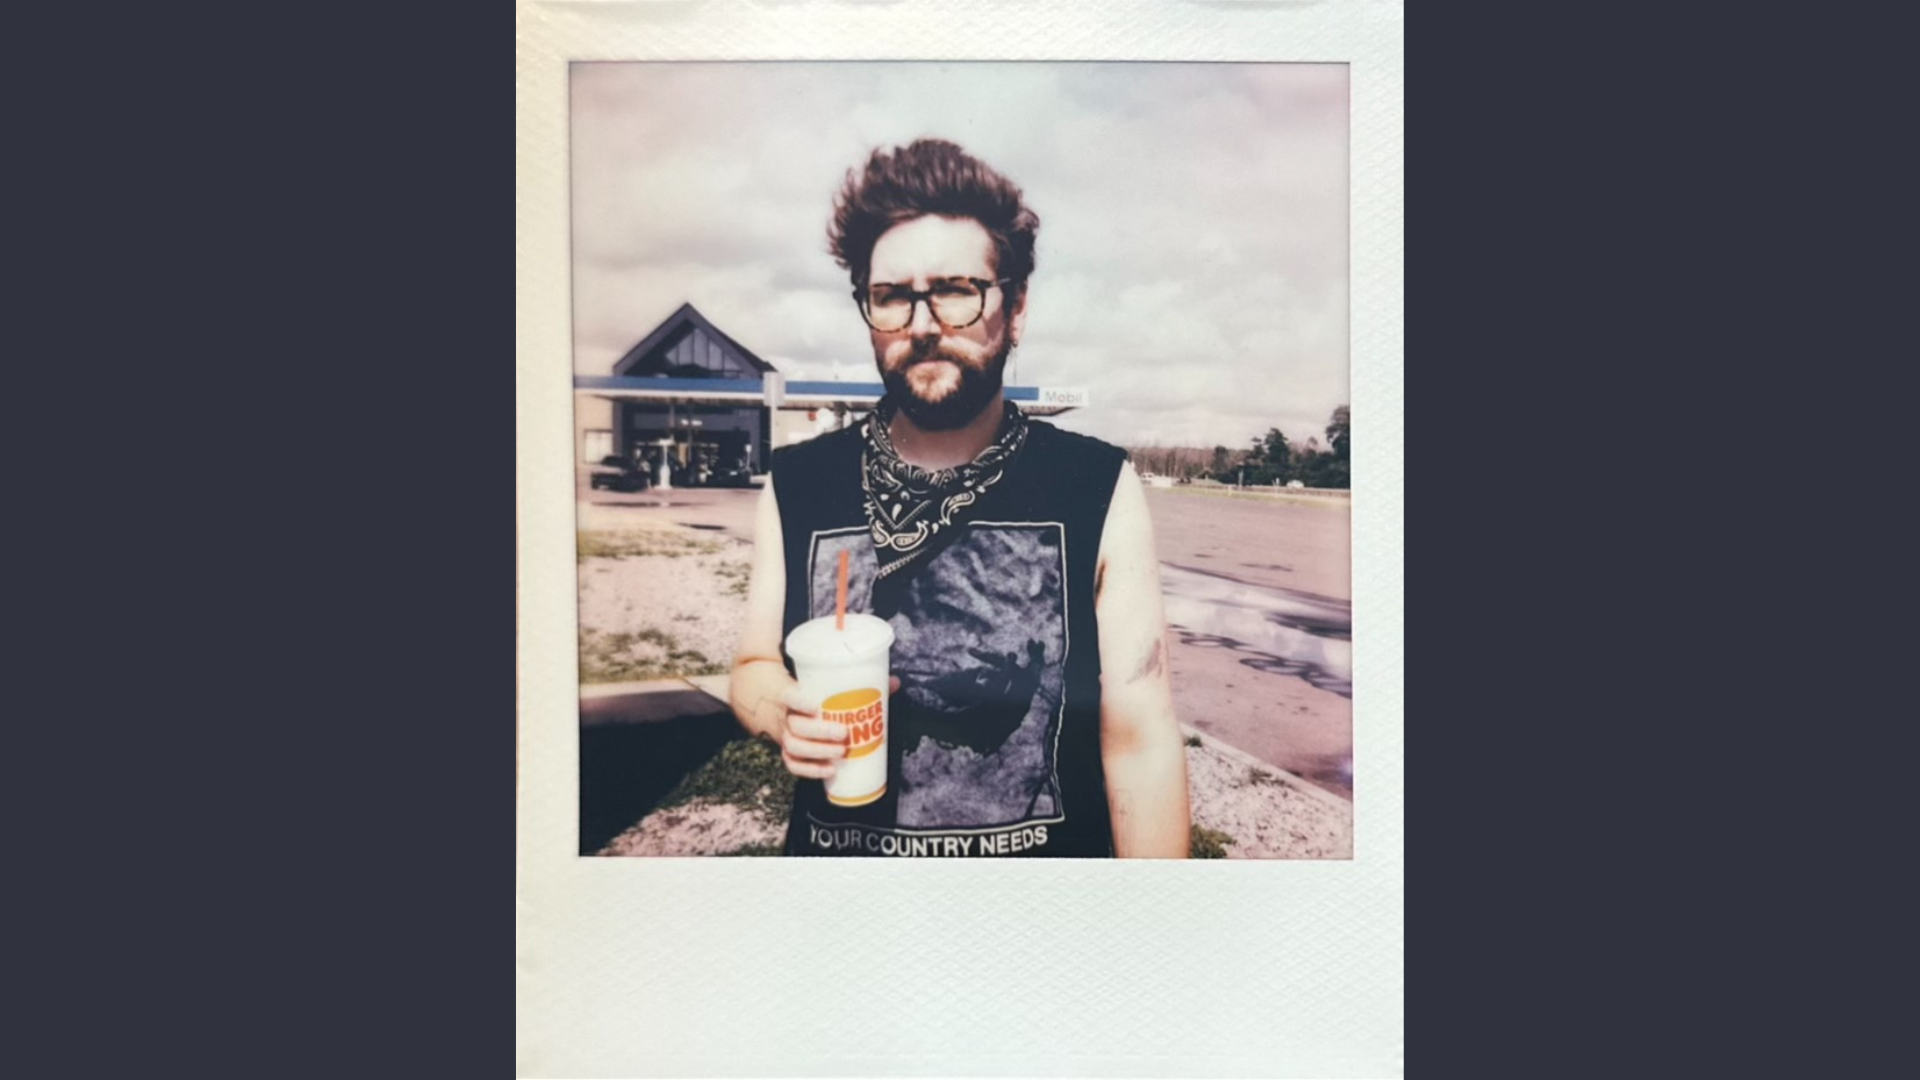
x,y
956,303
889,308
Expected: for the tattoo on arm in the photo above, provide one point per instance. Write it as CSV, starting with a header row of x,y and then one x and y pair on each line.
x,y
1153,664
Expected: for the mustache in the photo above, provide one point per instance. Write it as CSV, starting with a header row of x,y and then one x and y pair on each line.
x,y
931,351
905,364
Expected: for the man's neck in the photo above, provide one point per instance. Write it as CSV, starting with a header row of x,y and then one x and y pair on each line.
x,y
946,449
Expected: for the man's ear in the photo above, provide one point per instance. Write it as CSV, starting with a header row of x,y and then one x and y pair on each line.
x,y
1017,322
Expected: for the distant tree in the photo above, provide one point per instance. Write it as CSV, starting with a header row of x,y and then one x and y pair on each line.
x,y
1306,462
1275,448
1188,461
1325,471
1180,462
1271,459
1276,456
1154,458
1251,464
1337,433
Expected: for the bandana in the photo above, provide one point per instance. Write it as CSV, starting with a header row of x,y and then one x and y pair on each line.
x,y
909,507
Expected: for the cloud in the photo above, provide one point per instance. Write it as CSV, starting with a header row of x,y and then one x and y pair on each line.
x,y
1193,247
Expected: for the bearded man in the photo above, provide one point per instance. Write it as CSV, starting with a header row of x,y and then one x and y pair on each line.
x,y
1014,561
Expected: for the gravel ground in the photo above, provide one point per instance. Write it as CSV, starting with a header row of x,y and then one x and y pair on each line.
x,y
1269,814
692,592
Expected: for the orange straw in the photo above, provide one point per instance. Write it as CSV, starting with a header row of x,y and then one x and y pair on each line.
x,y
840,596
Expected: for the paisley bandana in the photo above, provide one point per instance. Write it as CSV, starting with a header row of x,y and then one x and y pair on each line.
x,y
908,507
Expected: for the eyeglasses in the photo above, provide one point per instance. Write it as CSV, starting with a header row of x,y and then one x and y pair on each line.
x,y
956,303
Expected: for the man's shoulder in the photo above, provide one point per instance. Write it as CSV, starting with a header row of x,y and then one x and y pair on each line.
x,y
1057,441
1071,465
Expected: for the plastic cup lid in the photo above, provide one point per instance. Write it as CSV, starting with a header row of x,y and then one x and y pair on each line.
x,y
818,641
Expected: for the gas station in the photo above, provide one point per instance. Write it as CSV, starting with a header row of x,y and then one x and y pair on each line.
x,y
689,400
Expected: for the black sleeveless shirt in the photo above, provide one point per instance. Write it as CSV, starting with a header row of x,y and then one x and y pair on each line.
x,y
993,746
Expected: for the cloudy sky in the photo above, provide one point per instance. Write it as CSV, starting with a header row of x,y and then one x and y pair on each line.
x,y
1192,255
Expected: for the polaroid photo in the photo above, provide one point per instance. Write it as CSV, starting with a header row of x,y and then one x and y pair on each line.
x,y
958,633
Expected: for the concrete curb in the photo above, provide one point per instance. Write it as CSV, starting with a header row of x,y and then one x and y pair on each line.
x,y
718,687
652,686
714,686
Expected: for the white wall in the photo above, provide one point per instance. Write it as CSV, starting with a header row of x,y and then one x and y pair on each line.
x,y
589,414
791,425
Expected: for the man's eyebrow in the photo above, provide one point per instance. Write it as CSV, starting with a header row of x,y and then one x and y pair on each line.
x,y
930,280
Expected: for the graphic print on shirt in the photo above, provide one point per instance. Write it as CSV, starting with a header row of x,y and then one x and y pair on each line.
x,y
980,647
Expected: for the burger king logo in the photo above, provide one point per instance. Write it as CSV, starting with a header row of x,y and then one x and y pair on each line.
x,y
864,714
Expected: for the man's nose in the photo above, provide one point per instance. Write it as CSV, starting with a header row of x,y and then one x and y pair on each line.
x,y
922,323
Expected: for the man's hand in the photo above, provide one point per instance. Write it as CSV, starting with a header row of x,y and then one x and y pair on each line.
x,y
768,702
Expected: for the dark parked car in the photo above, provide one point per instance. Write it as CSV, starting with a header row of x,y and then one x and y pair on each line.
x,y
688,476
735,475
616,473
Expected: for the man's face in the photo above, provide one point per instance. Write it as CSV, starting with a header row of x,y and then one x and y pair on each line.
x,y
942,377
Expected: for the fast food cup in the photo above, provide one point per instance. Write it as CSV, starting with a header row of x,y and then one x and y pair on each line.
x,y
846,670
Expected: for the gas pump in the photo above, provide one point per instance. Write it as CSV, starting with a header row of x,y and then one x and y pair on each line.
x,y
662,465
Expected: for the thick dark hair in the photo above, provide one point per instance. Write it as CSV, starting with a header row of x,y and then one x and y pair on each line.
x,y
930,176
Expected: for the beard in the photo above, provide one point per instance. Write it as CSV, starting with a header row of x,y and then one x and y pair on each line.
x,y
962,404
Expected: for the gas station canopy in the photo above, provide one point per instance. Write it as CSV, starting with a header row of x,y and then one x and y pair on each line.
x,y
775,392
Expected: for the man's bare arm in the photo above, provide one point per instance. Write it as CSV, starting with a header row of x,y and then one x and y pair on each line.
x,y
765,699
1140,743
755,694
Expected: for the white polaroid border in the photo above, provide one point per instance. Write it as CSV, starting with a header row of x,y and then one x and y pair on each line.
x,y
772,967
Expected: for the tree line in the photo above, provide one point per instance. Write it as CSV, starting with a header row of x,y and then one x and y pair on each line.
x,y
1270,459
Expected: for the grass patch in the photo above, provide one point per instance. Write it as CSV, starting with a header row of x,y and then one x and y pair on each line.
x,y
746,773
640,656
1264,779
736,575
1194,740
602,544
1205,843
752,849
